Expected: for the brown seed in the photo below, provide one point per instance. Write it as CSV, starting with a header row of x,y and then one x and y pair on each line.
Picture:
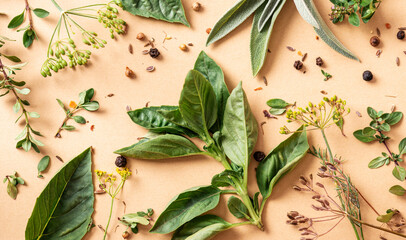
x,y
358,114
190,44
126,235
304,57
265,80
378,53
145,52
378,32
140,36
208,30
59,158
128,72
323,92
196,6
183,47
150,68
387,25
319,62
130,48
110,95
298,65
397,61
374,41
291,48
404,52
317,37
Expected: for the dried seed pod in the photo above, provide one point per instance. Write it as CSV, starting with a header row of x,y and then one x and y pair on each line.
x,y
298,65
196,6
130,48
128,72
292,214
150,68
320,185
125,235
319,61
140,36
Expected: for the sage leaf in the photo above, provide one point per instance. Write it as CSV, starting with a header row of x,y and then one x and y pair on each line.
x,y
41,13
16,21
201,228
12,190
260,39
90,106
277,103
402,147
394,118
233,18
363,138
240,129
161,147
377,162
399,173
79,119
281,160
198,104
267,13
166,10
135,218
43,164
237,208
309,13
212,72
186,206
152,119
397,190
64,208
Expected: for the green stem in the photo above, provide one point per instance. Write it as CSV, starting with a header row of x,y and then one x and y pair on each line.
x,y
108,222
228,192
57,5
328,146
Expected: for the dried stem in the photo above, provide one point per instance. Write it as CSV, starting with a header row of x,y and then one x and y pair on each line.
x,y
28,10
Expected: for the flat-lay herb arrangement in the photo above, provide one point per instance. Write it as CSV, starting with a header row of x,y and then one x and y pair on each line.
x,y
209,121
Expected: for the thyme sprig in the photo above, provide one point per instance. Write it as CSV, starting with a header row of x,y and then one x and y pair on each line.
x,y
343,8
63,52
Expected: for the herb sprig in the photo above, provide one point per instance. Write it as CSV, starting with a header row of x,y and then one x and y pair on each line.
x,y
85,102
343,8
29,32
12,182
132,220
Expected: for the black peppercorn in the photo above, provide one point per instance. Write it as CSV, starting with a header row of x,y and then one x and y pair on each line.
x,y
259,156
298,65
367,76
401,35
374,41
154,52
319,62
121,161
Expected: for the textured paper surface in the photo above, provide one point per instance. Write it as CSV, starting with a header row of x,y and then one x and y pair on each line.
x,y
154,183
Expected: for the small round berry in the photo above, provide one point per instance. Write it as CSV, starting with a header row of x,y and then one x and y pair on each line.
x,y
140,36
183,47
367,75
121,161
259,156
401,35
374,41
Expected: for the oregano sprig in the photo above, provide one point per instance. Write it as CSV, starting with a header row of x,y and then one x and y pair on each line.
x,y
29,32
12,182
351,8
85,102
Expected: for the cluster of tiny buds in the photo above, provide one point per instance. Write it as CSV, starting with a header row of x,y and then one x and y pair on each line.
x,y
339,12
108,17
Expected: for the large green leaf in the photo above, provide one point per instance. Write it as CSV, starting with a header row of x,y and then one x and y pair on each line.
x,y
198,104
260,39
309,12
186,206
240,129
281,160
212,72
166,10
64,208
232,19
270,7
201,228
161,147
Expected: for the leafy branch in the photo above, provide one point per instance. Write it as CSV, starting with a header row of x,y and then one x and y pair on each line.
x,y
365,8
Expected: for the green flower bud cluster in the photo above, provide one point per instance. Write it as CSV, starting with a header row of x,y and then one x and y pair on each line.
x,y
108,16
60,50
91,39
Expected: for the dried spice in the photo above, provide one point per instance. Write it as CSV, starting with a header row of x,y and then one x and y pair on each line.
x,y
183,47
304,57
121,161
92,128
196,6
150,68
208,30
258,89
400,35
128,72
323,92
367,75
319,61
374,41
387,25
298,65
291,48
265,80
190,44
130,48
145,52
259,156
154,52
378,32
378,53
140,36
397,61
59,158
358,114
110,95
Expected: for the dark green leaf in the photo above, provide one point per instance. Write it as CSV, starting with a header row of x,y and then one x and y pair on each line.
x,y
43,164
385,127
161,147
12,58
41,13
233,18
255,202
354,19
237,208
277,111
20,180
175,117
397,190
240,129
394,118
91,106
186,206
198,104
28,37
212,72
166,10
79,119
201,228
368,132
225,178
61,104
16,21
363,138
64,208
86,96
377,162
372,113
399,173
277,103
281,160
402,147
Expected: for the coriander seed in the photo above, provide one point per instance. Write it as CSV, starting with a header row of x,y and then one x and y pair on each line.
x,y
374,41
183,47
140,36
196,6
367,76
401,35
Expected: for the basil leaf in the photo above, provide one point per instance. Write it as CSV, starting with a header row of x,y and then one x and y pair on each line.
x,y
281,160
91,106
354,19
43,164
277,103
201,228
198,104
166,10
394,118
186,206
161,147
79,119
151,119
402,147
175,117
377,162
397,190
309,13
86,96
260,39
64,208
232,19
224,179
399,173
212,72
16,21
41,13
237,208
363,138
240,129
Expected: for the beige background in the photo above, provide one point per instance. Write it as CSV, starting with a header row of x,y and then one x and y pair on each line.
x,y
156,182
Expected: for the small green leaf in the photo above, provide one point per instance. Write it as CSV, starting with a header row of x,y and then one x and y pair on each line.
x,y
368,132
399,173
16,21
43,164
12,58
86,96
385,218
354,19
201,228
41,13
360,136
385,127
34,114
402,147
23,91
17,107
397,190
68,127
225,179
237,208
12,190
377,162
90,106
277,111
79,119
372,112
28,37
20,180
135,218
277,103
394,118
61,104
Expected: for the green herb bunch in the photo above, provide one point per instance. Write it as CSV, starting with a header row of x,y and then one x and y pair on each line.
x,y
63,52
85,102
8,85
12,182
29,32
376,131
265,15
225,123
343,8
131,221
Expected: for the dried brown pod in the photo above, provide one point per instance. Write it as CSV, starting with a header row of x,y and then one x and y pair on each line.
x,y
128,72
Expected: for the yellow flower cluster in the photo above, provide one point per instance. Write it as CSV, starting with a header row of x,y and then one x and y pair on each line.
x,y
124,172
